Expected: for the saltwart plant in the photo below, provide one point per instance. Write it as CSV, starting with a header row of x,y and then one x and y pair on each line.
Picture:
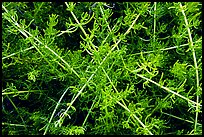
x,y
101,68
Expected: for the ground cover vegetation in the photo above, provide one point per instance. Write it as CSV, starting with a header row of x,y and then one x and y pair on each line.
x,y
101,68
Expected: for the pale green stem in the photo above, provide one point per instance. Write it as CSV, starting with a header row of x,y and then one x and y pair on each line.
x,y
63,61
80,25
34,44
167,89
195,63
145,52
179,118
117,49
134,116
17,125
36,11
17,112
124,105
19,92
89,112
155,5
115,45
55,110
18,52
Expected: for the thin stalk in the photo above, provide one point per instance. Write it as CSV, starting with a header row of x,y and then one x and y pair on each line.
x,y
117,49
18,52
17,112
80,26
113,85
19,92
89,111
195,63
55,111
134,116
68,31
157,107
167,89
180,118
36,11
24,32
115,45
124,105
145,52
62,60
17,125
155,8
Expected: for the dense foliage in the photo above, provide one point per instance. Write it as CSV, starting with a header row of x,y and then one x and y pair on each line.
x,y
101,68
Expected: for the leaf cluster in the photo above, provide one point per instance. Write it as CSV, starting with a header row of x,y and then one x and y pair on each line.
x,y
101,68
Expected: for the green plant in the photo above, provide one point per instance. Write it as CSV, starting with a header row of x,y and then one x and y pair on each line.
x,y
101,68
